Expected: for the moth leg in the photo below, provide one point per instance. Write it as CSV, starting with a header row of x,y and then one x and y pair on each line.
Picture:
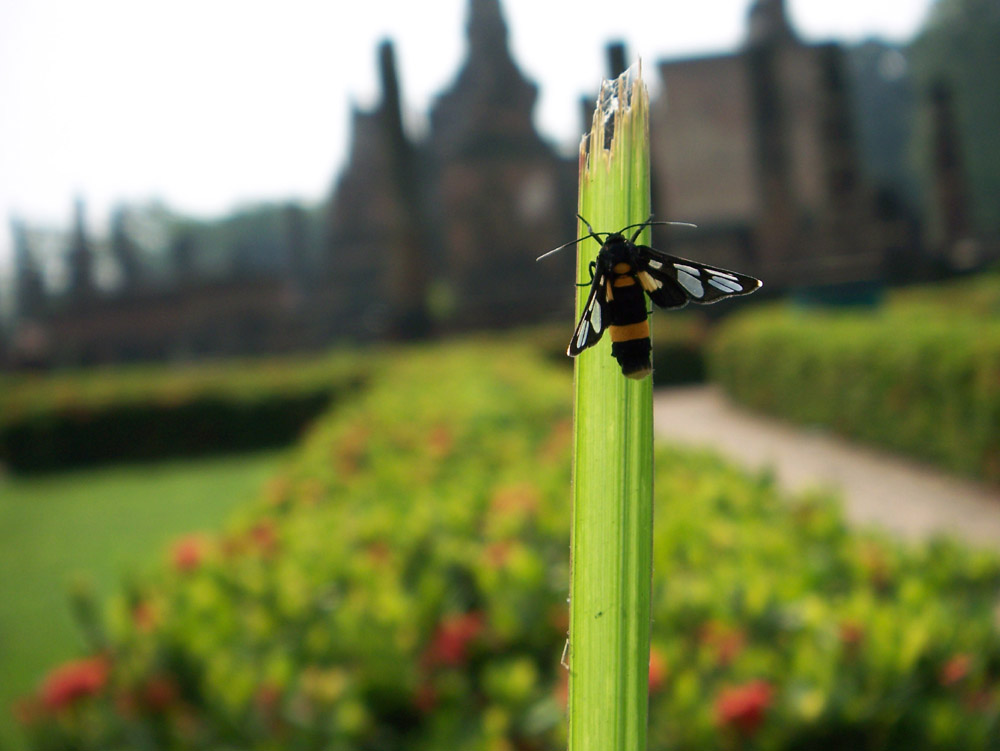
x,y
593,268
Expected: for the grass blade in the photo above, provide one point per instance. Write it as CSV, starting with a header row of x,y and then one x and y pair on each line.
x,y
613,449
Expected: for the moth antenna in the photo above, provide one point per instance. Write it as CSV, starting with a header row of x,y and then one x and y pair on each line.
x,y
589,228
650,223
592,234
561,247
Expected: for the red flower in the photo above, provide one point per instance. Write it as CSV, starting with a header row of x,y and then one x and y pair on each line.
x,y
73,681
562,688
451,639
145,615
379,552
743,707
264,537
440,441
425,698
267,699
726,641
852,634
657,669
496,553
159,693
955,669
515,499
188,552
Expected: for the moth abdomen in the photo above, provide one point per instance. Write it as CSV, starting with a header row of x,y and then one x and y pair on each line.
x,y
629,329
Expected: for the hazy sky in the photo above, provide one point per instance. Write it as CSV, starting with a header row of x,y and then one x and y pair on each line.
x,y
207,104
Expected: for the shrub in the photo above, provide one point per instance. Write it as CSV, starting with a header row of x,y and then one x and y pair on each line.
x,y
927,384
140,413
403,585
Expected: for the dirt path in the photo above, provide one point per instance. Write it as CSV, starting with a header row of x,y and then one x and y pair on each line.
x,y
879,488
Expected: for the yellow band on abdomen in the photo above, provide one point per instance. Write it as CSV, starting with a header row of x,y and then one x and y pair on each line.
x,y
631,331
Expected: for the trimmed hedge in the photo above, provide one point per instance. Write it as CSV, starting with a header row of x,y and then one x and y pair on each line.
x,y
71,419
403,586
927,384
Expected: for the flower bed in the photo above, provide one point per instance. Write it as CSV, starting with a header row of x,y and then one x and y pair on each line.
x,y
403,586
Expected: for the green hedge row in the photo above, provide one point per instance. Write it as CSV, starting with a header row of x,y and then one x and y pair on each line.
x,y
138,413
922,381
403,585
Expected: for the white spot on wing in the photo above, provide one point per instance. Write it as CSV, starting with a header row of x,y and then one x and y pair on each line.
x,y
725,285
717,272
655,265
582,338
688,269
690,282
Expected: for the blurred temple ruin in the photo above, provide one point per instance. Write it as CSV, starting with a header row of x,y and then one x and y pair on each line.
x,y
760,147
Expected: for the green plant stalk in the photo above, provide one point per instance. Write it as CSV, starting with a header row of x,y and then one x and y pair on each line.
x,y
610,586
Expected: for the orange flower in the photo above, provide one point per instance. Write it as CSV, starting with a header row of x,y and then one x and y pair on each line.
x,y
852,634
145,615
515,499
562,688
657,669
264,537
188,553
496,553
379,552
726,641
439,441
559,441
267,699
743,707
451,639
73,681
159,693
425,698
955,669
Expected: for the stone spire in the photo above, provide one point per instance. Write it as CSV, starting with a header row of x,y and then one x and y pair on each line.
x,y
29,289
124,251
296,222
950,190
768,23
80,257
406,277
490,101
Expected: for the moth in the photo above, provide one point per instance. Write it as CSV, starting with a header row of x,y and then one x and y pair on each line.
x,y
623,274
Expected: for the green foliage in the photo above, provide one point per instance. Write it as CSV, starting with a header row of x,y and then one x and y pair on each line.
x,y
153,412
920,378
403,585
98,524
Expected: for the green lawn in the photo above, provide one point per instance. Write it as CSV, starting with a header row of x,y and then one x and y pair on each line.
x,y
100,524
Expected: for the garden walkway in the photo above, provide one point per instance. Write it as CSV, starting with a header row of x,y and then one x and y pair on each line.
x,y
878,488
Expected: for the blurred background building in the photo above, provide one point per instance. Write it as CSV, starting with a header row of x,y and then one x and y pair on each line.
x,y
792,158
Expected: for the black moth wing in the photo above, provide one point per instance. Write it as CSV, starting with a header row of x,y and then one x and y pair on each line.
x,y
677,281
590,327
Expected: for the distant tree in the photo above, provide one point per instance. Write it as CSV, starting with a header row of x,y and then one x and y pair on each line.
x,y
960,47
